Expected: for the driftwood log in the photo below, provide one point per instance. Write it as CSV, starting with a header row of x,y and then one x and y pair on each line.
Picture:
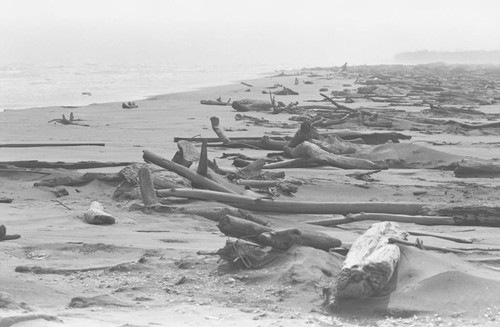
x,y
370,263
297,207
240,228
151,202
96,215
309,150
283,240
414,219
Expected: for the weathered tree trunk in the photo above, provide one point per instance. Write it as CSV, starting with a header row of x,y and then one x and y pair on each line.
x,y
473,168
96,215
297,207
185,172
241,228
310,150
370,263
148,192
469,215
284,239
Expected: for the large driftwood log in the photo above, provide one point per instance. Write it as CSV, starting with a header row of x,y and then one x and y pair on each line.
x,y
185,172
370,263
96,215
241,228
310,150
283,240
298,207
474,168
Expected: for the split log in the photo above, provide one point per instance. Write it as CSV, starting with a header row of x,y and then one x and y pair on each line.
x,y
474,168
283,240
310,150
240,228
65,165
185,172
37,145
96,215
370,263
297,207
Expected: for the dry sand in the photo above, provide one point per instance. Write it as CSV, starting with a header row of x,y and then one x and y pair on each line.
x,y
433,289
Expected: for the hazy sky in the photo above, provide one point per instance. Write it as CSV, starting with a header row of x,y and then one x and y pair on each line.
x,y
312,32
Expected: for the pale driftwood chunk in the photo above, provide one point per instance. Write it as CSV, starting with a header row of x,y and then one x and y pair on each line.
x,y
309,150
97,216
370,263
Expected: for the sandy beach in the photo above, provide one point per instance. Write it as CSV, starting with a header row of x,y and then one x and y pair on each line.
x,y
175,285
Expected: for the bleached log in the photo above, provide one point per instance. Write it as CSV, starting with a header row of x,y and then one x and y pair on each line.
x,y
309,150
96,215
297,207
370,263
148,193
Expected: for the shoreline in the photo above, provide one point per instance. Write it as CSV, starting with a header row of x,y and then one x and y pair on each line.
x,y
166,280
176,85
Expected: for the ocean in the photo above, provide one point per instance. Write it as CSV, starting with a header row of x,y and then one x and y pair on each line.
x,y
27,85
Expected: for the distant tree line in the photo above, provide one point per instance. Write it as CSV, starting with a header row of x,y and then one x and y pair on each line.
x,y
451,57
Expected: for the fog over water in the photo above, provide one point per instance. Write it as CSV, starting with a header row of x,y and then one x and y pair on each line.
x,y
291,32
53,50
